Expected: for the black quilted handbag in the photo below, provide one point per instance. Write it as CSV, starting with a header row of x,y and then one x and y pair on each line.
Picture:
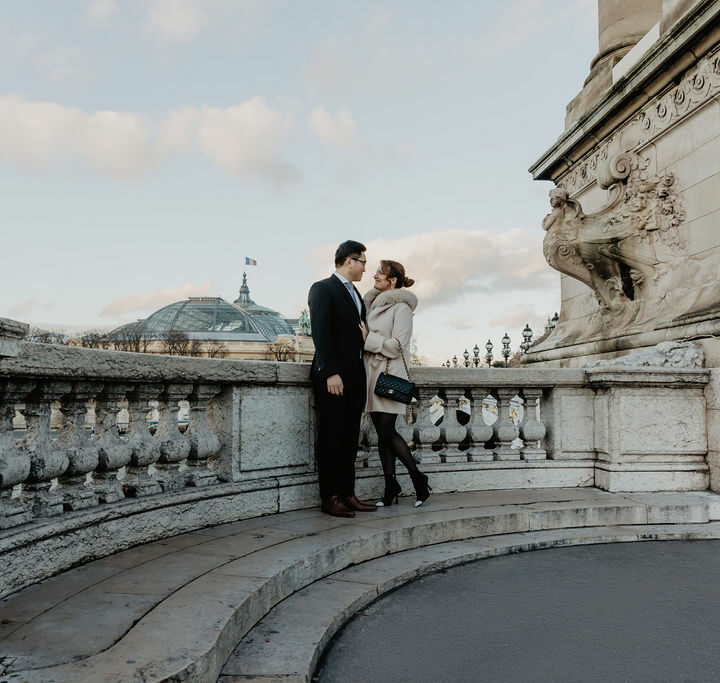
x,y
393,387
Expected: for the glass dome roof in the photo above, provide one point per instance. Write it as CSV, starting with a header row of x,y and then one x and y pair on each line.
x,y
215,318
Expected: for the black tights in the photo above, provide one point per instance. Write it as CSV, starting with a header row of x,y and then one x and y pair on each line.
x,y
391,445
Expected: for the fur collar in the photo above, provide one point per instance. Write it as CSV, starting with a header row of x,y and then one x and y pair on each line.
x,y
389,297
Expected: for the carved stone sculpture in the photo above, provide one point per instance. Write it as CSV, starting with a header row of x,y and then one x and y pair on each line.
x,y
619,252
631,253
668,354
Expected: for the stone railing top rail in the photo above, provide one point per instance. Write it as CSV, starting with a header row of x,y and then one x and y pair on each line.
x,y
68,362
13,328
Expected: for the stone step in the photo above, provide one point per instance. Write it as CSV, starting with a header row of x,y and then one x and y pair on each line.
x,y
289,641
176,609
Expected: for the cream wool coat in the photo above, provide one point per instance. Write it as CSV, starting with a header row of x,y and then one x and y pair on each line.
x,y
389,317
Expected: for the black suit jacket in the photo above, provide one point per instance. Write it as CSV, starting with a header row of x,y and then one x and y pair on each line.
x,y
335,325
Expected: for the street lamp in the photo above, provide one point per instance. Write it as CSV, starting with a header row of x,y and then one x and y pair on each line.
x,y
555,319
476,356
455,361
466,356
488,355
527,336
506,348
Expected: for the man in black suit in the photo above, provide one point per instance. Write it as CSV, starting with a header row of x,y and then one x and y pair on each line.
x,y
337,316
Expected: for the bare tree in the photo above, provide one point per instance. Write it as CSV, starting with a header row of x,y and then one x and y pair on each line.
x,y
280,350
130,338
95,340
216,349
41,336
177,343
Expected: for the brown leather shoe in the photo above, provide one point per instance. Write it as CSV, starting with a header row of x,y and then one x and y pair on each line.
x,y
353,503
335,507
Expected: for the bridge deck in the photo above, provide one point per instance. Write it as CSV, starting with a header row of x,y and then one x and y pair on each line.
x,y
180,607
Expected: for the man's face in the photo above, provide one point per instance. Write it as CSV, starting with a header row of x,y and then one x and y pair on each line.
x,y
356,267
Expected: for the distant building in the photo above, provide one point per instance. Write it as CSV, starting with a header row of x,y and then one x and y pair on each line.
x,y
212,326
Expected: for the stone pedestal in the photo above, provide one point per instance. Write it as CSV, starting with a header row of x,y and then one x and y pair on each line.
x,y
650,429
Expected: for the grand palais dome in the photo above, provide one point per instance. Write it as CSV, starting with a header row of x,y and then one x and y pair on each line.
x,y
213,318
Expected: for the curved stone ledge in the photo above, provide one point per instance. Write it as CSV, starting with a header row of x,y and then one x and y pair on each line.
x,y
234,575
36,551
289,641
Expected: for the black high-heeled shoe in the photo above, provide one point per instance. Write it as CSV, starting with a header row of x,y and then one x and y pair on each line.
x,y
392,490
422,488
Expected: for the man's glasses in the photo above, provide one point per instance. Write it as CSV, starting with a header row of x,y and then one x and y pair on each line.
x,y
359,260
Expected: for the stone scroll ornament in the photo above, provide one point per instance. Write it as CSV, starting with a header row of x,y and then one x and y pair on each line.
x,y
624,251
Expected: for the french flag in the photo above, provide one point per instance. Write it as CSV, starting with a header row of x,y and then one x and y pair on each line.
x,y
250,261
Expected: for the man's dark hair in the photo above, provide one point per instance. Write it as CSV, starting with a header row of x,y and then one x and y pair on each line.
x,y
348,248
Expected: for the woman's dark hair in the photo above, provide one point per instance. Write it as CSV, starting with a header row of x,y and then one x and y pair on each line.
x,y
348,248
396,270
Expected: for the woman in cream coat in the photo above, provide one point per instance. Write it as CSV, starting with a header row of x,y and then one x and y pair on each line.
x,y
389,328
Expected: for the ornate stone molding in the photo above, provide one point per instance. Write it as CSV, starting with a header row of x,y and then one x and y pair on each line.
x,y
583,173
697,86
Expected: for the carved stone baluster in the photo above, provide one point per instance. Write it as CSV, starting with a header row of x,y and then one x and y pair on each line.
x,y
404,428
504,430
478,431
46,461
532,428
426,433
203,442
144,448
371,441
113,450
174,447
82,453
453,432
14,463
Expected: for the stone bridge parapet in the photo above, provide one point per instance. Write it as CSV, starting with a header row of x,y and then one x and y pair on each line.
x,y
102,450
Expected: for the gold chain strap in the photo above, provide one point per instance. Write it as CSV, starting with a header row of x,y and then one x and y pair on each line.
x,y
402,355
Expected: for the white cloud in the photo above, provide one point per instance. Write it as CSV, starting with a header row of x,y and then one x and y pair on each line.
x,y
67,65
450,265
519,316
157,298
244,139
35,134
24,308
176,21
99,12
462,323
171,22
338,131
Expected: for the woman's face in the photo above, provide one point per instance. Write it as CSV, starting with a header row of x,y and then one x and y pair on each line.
x,y
382,281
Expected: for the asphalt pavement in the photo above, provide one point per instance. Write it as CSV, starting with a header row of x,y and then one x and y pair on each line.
x,y
645,611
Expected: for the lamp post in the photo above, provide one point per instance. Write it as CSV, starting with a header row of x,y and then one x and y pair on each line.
x,y
455,361
466,356
476,356
554,320
506,348
489,355
527,337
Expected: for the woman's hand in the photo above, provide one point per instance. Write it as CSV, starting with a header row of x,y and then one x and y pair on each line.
x,y
364,330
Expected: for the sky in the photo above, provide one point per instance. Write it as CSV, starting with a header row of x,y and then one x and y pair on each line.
x,y
148,146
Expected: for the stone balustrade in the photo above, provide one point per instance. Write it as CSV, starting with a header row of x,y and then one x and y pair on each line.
x,y
69,492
